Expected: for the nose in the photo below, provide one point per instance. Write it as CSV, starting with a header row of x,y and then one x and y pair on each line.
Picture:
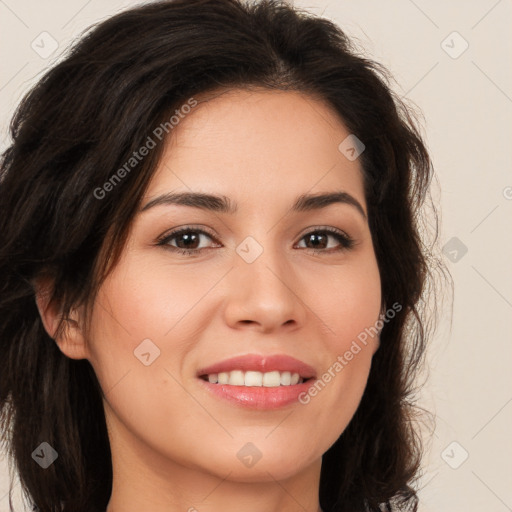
x,y
264,295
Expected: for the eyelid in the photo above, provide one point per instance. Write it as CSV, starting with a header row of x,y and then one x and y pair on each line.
x,y
329,229
180,229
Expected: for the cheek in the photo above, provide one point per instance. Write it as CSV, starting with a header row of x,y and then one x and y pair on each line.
x,y
150,300
146,320
139,301
349,307
139,372
348,303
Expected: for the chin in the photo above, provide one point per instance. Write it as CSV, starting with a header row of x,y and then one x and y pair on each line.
x,y
266,465
262,472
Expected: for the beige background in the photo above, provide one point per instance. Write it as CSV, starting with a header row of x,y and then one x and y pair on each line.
x,y
466,98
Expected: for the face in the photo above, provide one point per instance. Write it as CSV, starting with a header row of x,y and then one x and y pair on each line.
x,y
266,279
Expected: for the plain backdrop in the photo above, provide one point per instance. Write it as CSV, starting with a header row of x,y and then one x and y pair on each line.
x,y
452,60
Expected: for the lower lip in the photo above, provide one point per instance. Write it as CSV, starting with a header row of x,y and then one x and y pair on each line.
x,y
259,397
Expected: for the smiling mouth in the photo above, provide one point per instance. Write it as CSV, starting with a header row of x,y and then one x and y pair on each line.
x,y
255,379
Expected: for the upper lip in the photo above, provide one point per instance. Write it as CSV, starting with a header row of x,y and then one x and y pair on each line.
x,y
261,363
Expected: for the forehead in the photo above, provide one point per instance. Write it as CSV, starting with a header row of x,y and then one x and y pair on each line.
x,y
257,143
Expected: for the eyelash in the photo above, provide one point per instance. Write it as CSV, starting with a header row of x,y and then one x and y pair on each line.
x,y
346,242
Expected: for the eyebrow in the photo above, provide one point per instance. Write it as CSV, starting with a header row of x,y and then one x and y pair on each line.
x,y
223,204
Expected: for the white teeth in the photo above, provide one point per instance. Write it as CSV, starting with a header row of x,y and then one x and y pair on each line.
x,y
286,378
271,379
223,378
255,379
236,378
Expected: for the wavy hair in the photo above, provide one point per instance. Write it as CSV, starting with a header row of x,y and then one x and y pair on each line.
x,y
84,119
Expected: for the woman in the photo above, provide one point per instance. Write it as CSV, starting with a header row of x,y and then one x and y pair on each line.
x,y
212,271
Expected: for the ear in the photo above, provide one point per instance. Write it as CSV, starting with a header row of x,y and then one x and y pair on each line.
x,y
71,340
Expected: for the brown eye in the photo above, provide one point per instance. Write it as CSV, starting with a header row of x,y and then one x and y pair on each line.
x,y
187,240
318,240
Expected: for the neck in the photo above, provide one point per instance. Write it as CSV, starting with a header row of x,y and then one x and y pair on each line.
x,y
146,480
192,491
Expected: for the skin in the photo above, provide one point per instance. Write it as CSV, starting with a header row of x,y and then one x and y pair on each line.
x,y
174,445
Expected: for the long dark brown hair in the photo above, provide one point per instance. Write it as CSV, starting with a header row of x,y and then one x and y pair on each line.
x,y
83,121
